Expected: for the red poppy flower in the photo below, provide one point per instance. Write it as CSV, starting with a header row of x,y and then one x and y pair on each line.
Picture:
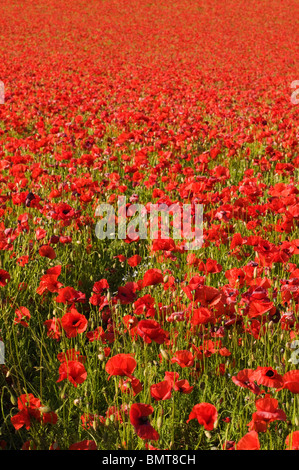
x,y
151,330
49,283
121,364
291,381
206,414
96,335
249,442
139,413
183,386
267,411
245,379
47,251
73,323
63,212
132,384
268,377
163,245
202,316
126,294
152,277
229,445
4,277
21,314
99,286
292,441
129,321
134,260
256,309
172,377
183,358
29,445
53,326
74,371
30,408
69,295
161,390
145,305
55,271
49,418
84,445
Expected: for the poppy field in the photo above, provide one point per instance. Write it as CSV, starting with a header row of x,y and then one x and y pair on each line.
x,y
141,343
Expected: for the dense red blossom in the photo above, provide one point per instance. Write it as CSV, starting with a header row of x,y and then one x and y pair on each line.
x,y
161,390
249,442
74,371
151,330
206,414
190,105
292,441
73,323
139,417
291,381
268,377
121,364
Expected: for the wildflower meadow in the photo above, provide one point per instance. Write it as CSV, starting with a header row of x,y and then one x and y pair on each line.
x,y
149,225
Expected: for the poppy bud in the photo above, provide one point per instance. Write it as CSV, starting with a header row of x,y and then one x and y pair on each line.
x,y
77,401
101,356
108,296
13,399
208,434
95,425
165,279
44,409
165,354
7,374
62,393
159,422
296,421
